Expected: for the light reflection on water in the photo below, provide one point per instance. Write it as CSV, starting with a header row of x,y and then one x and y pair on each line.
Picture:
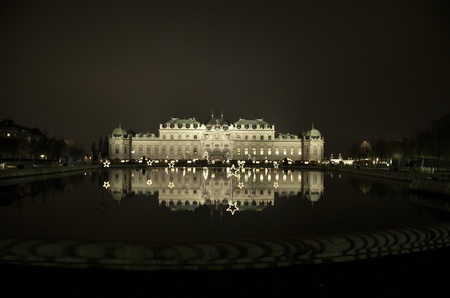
x,y
203,204
199,204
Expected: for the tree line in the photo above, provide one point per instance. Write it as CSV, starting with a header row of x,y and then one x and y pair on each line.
x,y
430,145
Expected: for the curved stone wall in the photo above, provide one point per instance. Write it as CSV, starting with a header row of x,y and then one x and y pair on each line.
x,y
224,255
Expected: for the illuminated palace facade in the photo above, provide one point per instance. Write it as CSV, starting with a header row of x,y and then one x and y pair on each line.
x,y
217,139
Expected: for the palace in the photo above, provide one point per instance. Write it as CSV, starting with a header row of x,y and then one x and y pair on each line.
x,y
216,140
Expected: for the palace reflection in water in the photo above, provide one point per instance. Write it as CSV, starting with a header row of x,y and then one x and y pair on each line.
x,y
152,218
241,189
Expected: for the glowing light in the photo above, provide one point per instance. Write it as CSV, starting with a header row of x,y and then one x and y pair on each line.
x,y
171,164
171,185
241,185
241,164
231,171
149,162
149,182
106,163
275,184
106,184
232,208
275,165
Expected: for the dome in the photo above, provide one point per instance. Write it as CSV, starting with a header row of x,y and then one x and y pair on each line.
x,y
217,121
313,133
119,131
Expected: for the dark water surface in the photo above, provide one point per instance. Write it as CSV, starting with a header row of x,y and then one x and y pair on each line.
x,y
139,206
171,205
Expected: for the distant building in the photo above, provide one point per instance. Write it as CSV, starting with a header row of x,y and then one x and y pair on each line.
x,y
217,139
19,142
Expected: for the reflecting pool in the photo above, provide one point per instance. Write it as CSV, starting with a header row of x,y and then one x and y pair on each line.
x,y
213,218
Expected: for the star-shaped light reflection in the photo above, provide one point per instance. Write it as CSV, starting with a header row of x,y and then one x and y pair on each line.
x,y
275,184
149,162
171,184
275,165
231,171
106,184
241,185
241,164
106,163
149,182
232,208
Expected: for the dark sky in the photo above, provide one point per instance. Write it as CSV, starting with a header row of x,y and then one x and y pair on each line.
x,y
357,70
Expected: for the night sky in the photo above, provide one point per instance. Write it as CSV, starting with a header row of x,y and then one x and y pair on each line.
x,y
356,70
